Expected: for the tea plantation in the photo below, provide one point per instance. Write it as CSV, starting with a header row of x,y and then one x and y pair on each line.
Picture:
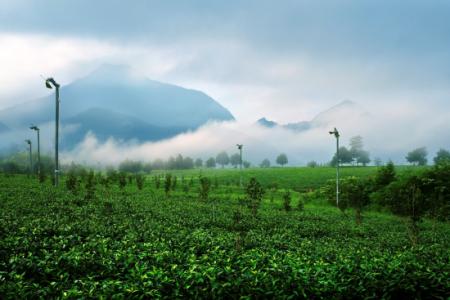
x,y
201,238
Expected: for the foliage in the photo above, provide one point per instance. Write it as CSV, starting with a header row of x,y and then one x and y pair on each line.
x,y
345,157
385,175
287,201
222,159
198,163
167,184
246,164
211,162
140,181
312,164
355,193
442,156
265,163
418,156
137,246
255,193
282,159
235,160
205,185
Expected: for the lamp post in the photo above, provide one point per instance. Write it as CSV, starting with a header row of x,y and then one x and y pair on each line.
x,y
335,132
34,127
31,157
49,82
240,163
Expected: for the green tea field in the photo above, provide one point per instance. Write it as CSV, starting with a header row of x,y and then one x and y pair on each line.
x,y
98,236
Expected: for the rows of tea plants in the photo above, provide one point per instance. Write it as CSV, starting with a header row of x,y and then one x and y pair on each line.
x,y
98,236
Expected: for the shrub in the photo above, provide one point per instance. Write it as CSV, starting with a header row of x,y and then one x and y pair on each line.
x,y
255,193
205,185
122,180
355,193
167,184
287,201
140,181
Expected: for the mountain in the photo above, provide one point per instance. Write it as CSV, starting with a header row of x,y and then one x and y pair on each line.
x,y
266,123
347,110
3,127
112,96
98,120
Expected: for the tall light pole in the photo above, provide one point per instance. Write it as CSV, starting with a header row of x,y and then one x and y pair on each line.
x,y
34,127
240,163
49,83
335,132
31,157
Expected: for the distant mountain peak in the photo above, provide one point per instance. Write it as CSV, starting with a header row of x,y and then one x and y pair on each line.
x,y
267,123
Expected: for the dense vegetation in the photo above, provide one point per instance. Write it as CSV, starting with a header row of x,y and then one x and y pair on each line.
x,y
187,234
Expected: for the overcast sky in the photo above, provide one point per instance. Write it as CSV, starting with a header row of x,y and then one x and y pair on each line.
x,y
286,60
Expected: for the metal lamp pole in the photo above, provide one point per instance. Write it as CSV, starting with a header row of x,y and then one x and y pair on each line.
x,y
34,127
31,157
49,83
335,132
240,163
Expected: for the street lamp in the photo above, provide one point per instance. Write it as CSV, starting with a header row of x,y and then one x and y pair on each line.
x,y
31,157
49,82
335,132
34,127
240,163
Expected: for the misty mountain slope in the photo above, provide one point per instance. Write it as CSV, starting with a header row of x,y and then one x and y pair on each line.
x,y
3,127
98,121
118,89
346,111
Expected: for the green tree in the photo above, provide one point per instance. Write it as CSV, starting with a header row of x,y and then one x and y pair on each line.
x,y
265,163
246,164
345,157
235,160
211,162
418,156
282,159
363,158
356,146
312,164
442,156
222,159
198,163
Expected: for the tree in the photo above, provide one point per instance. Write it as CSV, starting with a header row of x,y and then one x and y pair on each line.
x,y
363,158
222,159
198,163
246,164
356,146
235,160
312,164
345,157
442,156
418,156
211,162
359,155
282,159
265,163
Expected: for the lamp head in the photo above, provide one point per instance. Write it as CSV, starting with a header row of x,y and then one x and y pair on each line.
x,y
239,146
49,82
335,132
34,127
28,142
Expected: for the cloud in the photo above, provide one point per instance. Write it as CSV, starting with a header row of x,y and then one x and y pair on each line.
x,y
386,135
